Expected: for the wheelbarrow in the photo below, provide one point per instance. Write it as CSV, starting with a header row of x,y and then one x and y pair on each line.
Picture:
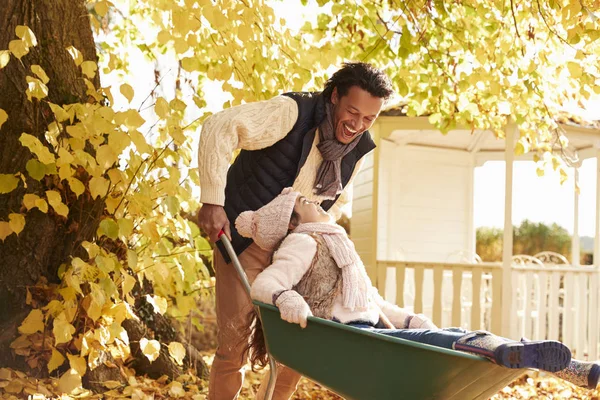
x,y
361,365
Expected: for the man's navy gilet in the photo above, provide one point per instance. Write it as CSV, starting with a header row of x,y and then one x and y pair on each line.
x,y
257,177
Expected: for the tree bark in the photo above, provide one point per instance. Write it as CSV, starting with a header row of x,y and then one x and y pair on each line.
x,y
48,240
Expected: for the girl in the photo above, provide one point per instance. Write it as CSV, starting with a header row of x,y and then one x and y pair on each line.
x,y
316,271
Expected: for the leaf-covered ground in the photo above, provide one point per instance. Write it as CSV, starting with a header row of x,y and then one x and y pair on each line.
x,y
17,385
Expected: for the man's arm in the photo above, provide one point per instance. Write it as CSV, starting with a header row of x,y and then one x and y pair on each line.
x,y
251,126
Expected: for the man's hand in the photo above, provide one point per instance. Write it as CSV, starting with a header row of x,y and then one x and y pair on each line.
x,y
212,218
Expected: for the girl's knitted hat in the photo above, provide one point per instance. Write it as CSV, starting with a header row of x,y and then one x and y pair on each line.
x,y
268,225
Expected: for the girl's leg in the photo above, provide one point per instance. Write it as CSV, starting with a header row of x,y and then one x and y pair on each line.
x,y
546,355
579,373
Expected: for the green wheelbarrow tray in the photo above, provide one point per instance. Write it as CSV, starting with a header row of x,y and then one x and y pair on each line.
x,y
362,365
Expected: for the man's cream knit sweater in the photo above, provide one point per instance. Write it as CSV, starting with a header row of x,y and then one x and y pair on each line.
x,y
255,126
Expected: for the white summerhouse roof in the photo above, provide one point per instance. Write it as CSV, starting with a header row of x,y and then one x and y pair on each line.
x,y
584,137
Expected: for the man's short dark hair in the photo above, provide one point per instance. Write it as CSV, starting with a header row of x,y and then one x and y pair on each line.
x,y
360,74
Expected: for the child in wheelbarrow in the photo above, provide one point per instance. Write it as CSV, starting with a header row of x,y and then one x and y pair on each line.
x,y
317,271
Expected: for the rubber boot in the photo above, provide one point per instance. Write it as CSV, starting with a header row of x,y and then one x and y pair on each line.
x,y
580,373
546,355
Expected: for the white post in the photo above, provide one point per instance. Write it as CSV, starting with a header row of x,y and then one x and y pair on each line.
x,y
575,239
597,216
471,234
507,243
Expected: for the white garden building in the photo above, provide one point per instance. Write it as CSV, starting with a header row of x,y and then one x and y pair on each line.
x,y
412,223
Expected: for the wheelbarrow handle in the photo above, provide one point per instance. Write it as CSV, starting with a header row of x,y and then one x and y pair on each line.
x,y
235,261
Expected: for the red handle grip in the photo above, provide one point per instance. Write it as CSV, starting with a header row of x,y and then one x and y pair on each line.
x,y
221,233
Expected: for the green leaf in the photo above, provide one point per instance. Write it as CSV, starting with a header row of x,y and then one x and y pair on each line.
x,y
108,227
36,169
8,183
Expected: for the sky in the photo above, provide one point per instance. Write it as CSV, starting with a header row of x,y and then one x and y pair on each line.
x,y
539,199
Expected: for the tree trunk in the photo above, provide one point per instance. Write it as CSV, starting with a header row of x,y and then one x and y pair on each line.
x,y
48,239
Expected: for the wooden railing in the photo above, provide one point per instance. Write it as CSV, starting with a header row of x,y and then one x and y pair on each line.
x,y
559,303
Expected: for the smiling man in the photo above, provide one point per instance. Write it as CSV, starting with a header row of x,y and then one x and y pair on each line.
x,y
314,142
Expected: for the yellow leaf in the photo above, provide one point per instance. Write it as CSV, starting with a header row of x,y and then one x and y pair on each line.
x,y
42,205
150,348
177,351
161,108
78,364
56,202
36,69
63,331
125,227
60,114
128,282
37,148
98,187
16,222
158,303
555,164
112,384
3,117
76,186
163,37
29,200
33,323
574,69
76,54
132,259
35,88
89,68
24,33
118,141
8,183
18,48
105,156
134,120
101,8
4,58
56,360
4,230
540,172
127,91
140,142
70,381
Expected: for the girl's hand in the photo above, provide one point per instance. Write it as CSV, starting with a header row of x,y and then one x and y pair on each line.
x,y
293,308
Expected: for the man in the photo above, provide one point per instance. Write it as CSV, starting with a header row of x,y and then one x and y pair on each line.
x,y
314,142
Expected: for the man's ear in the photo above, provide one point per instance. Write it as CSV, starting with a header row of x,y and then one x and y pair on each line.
x,y
334,96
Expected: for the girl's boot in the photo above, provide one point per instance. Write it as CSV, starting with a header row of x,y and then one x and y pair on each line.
x,y
579,373
546,355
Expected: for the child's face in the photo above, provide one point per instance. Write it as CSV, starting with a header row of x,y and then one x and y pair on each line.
x,y
310,211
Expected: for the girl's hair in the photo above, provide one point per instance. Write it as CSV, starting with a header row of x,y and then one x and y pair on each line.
x,y
294,219
256,348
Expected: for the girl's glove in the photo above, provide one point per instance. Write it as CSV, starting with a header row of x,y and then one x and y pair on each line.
x,y
293,308
420,321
